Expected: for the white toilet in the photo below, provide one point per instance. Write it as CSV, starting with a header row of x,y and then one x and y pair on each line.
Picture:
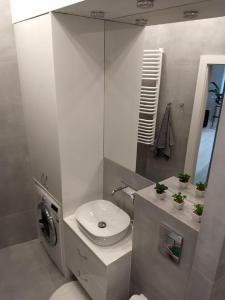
x,y
74,291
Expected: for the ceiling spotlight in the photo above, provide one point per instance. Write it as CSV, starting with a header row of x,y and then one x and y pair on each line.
x,y
141,22
145,3
98,14
190,14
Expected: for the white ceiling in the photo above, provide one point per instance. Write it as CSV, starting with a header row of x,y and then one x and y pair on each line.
x,y
163,11
208,9
119,8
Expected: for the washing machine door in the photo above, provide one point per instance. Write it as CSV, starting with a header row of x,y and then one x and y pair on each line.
x,y
47,225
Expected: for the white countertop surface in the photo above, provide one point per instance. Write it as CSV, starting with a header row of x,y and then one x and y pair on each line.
x,y
173,185
107,254
184,216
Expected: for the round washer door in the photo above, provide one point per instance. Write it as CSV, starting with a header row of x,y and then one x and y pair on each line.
x,y
47,225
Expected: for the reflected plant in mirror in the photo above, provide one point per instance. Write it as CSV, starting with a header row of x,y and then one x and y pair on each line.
x,y
217,93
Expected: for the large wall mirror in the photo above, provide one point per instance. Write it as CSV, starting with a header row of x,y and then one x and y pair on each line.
x,y
185,122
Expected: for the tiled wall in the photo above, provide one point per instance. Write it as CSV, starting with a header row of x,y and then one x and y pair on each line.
x,y
183,43
16,195
115,176
154,275
207,280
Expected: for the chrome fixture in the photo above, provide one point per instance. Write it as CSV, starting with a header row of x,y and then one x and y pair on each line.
x,y
145,4
120,188
190,14
141,22
170,243
98,14
129,191
102,224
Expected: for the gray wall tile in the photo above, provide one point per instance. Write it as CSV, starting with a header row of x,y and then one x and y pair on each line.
x,y
199,287
16,194
114,176
17,228
153,274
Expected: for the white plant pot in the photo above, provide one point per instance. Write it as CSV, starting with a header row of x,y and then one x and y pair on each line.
x,y
161,196
183,185
178,206
200,194
196,218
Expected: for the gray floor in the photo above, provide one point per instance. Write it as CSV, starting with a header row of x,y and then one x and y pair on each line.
x,y
27,273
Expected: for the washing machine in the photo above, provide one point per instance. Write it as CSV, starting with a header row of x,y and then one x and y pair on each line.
x,y
49,225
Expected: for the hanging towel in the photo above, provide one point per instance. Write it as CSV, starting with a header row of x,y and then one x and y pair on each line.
x,y
165,139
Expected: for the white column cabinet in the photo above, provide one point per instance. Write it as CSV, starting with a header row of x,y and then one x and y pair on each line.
x,y
36,67
61,65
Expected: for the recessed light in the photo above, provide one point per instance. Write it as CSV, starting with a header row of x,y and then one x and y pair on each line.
x,y
98,14
190,14
145,4
141,22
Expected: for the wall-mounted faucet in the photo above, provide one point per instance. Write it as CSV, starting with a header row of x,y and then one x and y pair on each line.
x,y
125,189
120,188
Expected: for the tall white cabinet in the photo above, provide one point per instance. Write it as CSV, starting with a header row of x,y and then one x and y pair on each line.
x,y
124,45
61,65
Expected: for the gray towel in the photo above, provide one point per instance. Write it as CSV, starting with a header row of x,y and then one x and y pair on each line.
x,y
165,139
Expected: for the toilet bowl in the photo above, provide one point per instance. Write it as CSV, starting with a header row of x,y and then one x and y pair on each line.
x,y
73,291
70,291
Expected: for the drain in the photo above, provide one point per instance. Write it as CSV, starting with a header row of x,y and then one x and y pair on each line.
x,y
102,224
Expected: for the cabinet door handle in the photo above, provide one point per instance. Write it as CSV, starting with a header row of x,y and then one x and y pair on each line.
x,y
81,255
82,277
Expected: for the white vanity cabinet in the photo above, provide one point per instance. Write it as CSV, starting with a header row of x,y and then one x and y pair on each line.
x,y
104,272
36,67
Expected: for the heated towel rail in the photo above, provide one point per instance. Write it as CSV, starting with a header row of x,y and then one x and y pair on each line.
x,y
149,96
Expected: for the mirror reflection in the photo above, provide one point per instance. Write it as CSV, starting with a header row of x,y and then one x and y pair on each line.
x,y
167,97
213,108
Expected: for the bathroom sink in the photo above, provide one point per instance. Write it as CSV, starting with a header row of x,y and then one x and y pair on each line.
x,y
102,222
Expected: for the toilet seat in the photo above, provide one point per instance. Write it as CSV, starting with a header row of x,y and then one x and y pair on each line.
x,y
70,291
73,291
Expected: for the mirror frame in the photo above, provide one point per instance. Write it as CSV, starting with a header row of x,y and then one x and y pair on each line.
x,y
199,110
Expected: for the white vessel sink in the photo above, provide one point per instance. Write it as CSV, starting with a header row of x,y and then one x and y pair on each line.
x,y
102,222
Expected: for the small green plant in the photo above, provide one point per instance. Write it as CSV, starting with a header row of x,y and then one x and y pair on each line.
x,y
198,209
184,177
160,188
200,186
216,91
179,198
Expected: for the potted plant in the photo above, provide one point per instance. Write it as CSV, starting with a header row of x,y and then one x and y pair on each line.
x,y
183,180
201,189
216,91
160,190
178,200
197,212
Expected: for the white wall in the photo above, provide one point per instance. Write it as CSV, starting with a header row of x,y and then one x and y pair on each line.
x,y
123,65
26,9
78,45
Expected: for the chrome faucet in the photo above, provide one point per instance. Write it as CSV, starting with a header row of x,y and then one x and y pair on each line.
x,y
125,189
120,188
